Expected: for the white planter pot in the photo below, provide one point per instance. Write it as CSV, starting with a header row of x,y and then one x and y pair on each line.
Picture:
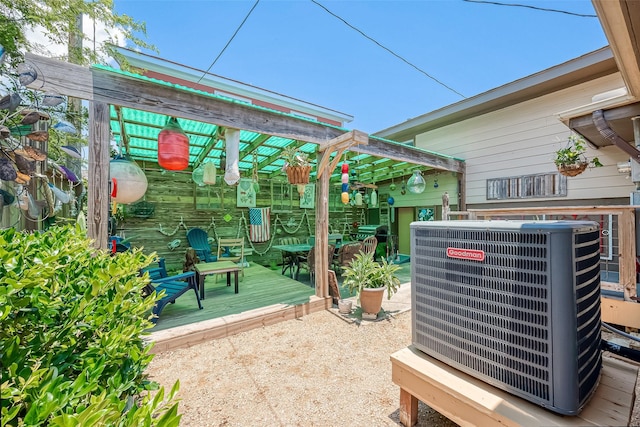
x,y
344,306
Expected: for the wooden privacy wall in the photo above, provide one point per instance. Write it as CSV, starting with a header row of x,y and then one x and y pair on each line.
x,y
180,205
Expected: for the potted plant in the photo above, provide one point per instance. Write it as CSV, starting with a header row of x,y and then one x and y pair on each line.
x,y
296,165
369,279
571,160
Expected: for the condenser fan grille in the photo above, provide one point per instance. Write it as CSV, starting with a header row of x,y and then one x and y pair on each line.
x,y
483,301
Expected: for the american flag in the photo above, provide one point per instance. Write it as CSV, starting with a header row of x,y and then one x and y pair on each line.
x,y
259,219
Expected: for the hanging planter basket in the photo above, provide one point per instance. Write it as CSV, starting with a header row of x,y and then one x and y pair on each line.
x,y
572,170
298,174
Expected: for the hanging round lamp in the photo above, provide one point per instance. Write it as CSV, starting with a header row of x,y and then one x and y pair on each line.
x,y
173,146
128,179
416,183
198,175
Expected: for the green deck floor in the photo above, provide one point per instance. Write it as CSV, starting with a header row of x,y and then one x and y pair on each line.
x,y
260,287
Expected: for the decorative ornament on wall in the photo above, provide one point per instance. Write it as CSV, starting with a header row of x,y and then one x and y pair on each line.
x,y
246,196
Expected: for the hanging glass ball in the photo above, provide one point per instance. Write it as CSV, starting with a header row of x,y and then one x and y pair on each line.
x,y
131,182
392,187
198,175
416,183
26,74
391,201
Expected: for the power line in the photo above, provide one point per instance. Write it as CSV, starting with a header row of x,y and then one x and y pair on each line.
x,y
389,50
230,40
532,7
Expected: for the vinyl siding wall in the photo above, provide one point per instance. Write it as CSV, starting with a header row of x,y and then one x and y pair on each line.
x,y
522,140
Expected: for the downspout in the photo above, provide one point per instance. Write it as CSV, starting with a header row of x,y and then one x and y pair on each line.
x,y
605,130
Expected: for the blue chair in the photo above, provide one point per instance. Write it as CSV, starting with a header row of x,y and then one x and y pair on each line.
x,y
199,240
173,286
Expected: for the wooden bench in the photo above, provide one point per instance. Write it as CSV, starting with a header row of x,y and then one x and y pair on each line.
x,y
471,402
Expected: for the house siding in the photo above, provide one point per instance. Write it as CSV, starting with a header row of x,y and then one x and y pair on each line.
x,y
522,140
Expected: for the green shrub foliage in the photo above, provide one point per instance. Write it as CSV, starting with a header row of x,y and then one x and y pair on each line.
x,y
72,351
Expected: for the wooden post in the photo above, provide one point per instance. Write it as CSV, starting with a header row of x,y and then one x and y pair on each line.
x,y
408,408
98,191
627,252
322,230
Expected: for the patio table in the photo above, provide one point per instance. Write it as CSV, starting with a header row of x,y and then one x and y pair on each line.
x,y
205,269
295,249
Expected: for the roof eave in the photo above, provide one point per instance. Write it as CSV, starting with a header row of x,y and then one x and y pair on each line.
x,y
584,68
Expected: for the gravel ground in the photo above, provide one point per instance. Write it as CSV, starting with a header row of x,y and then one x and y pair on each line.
x,y
314,371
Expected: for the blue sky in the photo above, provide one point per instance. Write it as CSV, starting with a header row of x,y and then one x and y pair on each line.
x,y
296,48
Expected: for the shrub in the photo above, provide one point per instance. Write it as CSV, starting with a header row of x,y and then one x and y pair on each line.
x,y
71,344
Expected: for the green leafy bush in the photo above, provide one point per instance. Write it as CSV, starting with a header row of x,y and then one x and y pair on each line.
x,y
71,344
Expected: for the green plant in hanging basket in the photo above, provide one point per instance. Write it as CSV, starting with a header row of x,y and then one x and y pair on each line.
x,y
572,160
296,165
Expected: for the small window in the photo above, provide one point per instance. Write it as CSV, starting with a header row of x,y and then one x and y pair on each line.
x,y
527,187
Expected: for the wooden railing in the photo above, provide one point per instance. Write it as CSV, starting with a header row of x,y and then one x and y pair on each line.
x,y
625,312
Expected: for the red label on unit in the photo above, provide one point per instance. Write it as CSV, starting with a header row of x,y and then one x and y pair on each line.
x,y
472,254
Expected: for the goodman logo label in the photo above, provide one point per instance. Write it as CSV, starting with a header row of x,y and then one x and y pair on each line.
x,y
471,254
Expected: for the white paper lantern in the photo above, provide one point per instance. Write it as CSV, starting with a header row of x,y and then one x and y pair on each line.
x,y
131,182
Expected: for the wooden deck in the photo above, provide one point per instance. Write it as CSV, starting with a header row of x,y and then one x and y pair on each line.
x,y
260,287
471,402
265,296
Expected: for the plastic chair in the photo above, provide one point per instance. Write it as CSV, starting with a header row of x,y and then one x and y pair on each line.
x,y
199,240
173,287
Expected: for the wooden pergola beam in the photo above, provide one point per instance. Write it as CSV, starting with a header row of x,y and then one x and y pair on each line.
x,y
141,94
339,144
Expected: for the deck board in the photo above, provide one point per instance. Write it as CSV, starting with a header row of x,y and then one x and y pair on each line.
x,y
260,287
470,401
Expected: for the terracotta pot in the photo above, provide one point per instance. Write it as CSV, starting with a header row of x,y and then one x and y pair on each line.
x,y
298,174
371,300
